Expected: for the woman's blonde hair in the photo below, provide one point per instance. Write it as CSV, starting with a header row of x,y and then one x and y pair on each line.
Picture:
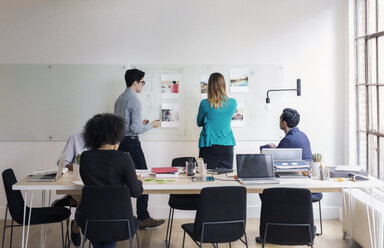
x,y
216,90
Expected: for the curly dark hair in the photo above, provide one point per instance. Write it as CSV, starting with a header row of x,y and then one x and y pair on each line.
x,y
103,129
291,116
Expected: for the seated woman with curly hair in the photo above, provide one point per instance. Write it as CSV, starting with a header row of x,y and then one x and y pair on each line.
x,y
103,164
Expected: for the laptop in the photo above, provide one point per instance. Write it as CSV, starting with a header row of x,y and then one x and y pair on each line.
x,y
50,177
284,154
255,169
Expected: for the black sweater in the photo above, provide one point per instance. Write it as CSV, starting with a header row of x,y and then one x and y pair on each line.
x,y
109,167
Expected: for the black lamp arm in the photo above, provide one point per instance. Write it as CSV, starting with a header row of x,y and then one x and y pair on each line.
x,y
298,90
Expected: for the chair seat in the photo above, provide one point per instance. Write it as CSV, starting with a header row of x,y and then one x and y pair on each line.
x,y
317,197
188,228
289,237
184,202
47,215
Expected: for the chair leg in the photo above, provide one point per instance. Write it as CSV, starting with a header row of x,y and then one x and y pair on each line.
x,y
10,244
183,239
245,236
67,241
170,229
310,236
85,239
5,224
265,235
230,246
169,220
321,220
137,239
62,234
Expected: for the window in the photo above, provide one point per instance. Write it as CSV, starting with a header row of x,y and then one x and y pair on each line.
x,y
369,82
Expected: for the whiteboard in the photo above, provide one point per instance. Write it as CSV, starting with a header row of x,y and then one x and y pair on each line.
x,y
51,102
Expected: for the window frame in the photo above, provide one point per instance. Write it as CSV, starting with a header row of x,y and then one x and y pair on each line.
x,y
370,102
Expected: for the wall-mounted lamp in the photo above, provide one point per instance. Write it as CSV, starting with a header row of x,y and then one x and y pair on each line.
x,y
298,91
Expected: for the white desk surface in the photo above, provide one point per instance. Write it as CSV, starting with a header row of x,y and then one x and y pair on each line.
x,y
184,185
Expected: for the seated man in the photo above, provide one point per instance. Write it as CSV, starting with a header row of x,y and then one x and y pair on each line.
x,y
294,138
74,147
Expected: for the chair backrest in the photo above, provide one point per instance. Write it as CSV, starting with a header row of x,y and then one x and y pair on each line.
x,y
110,202
14,198
220,204
289,206
180,162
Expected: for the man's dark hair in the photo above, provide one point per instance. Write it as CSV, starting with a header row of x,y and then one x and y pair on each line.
x,y
291,116
133,75
103,129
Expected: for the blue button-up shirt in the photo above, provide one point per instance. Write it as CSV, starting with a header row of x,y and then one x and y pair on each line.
x,y
128,106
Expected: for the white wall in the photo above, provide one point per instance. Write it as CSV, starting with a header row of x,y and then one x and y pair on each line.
x,y
306,36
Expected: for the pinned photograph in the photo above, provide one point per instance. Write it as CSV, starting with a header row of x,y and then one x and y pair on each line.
x,y
238,117
204,86
169,86
239,80
170,115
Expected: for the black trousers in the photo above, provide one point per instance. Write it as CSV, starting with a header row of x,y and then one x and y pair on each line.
x,y
133,146
217,156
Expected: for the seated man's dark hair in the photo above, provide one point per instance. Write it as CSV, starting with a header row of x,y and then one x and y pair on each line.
x,y
103,129
133,75
291,116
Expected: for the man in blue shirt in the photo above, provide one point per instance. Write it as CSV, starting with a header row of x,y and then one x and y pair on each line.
x,y
128,106
294,138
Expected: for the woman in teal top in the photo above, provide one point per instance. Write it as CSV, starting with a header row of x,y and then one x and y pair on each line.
x,y
215,113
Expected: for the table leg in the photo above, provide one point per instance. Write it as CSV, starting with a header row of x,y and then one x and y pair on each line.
x,y
29,220
43,229
24,215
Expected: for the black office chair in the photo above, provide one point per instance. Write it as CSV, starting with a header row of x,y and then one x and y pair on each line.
x,y
287,217
221,216
105,214
316,197
15,204
180,202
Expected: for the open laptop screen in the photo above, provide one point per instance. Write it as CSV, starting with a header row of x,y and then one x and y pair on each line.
x,y
254,166
284,154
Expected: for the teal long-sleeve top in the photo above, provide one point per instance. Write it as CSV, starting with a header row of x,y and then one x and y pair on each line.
x,y
216,123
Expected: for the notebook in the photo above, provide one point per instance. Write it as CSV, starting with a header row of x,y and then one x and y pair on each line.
x,y
159,170
51,177
255,169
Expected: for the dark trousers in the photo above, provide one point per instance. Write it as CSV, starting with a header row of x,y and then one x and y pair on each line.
x,y
217,156
133,146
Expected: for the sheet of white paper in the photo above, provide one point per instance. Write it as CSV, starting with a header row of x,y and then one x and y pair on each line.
x,y
238,117
169,86
239,80
204,86
170,116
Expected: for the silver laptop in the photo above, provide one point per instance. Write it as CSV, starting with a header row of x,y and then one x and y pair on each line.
x,y
286,157
255,169
50,177
284,154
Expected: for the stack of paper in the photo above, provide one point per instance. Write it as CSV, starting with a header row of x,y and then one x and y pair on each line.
x,y
165,172
46,172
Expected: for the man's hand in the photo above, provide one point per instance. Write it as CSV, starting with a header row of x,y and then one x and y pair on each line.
x,y
139,177
145,122
70,167
155,123
272,145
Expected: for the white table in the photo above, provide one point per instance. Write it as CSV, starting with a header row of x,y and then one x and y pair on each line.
x,y
184,185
